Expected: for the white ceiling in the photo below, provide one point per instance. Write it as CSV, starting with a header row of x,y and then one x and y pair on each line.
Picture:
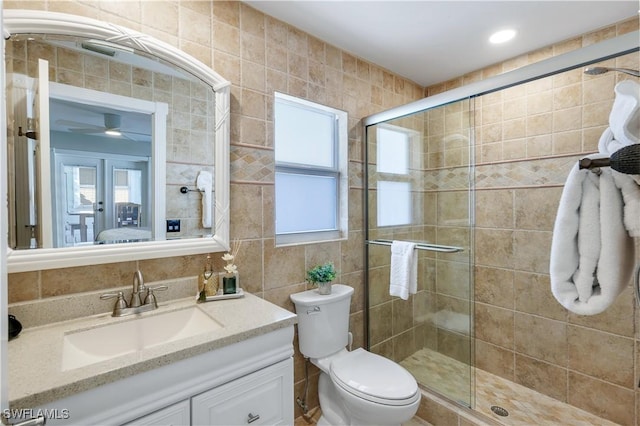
x,y
430,42
89,120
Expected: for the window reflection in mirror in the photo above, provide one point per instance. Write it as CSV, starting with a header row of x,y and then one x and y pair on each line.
x,y
102,183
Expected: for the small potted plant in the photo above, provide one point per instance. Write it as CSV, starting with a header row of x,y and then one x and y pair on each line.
x,y
321,276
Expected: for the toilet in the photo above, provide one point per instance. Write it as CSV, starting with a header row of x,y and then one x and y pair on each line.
x,y
355,387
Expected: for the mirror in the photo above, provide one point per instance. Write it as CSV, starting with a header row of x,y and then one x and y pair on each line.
x,y
117,145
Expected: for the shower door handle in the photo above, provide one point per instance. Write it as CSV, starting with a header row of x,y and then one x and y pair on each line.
x,y
421,246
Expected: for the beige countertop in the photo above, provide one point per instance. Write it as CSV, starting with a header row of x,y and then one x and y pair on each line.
x,y
35,357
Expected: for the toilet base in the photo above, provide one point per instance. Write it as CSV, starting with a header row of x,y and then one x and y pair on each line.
x,y
323,422
336,413
333,413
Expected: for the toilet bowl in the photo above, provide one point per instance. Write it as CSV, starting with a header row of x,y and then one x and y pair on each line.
x,y
357,387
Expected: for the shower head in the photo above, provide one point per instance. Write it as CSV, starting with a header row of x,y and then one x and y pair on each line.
x,y
602,70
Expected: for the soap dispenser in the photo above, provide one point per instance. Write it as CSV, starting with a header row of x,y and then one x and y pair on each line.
x,y
208,281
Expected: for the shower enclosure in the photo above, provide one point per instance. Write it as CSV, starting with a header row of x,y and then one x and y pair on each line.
x,y
419,189
473,176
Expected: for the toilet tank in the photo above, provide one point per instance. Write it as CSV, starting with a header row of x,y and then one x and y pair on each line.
x,y
323,320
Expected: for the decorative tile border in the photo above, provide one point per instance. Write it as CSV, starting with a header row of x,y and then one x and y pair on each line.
x,y
544,171
526,173
252,164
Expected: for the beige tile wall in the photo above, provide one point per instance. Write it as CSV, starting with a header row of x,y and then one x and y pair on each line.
x,y
259,55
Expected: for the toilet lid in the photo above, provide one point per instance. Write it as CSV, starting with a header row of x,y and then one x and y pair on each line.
x,y
373,377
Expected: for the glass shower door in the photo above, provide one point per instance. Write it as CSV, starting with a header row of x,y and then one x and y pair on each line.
x,y
419,189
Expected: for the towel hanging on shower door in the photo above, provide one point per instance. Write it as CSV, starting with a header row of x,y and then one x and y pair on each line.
x,y
404,269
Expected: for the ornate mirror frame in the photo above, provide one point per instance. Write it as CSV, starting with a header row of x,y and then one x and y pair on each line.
x,y
42,22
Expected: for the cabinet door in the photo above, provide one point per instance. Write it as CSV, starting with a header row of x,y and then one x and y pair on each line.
x,y
261,398
175,415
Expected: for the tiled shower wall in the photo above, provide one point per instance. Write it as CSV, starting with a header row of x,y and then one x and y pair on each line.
x,y
259,55
527,139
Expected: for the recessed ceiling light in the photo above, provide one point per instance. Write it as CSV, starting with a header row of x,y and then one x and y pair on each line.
x,y
502,36
112,132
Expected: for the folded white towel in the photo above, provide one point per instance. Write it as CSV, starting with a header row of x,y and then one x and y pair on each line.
x,y
591,252
607,144
624,118
204,183
624,130
630,188
404,269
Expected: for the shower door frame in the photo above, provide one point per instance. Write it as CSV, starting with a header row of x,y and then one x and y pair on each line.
x,y
608,49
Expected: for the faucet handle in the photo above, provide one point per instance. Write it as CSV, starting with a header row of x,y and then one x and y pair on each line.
x,y
158,287
120,303
151,298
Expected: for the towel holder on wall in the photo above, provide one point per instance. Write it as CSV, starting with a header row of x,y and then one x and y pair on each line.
x,y
625,160
421,246
185,190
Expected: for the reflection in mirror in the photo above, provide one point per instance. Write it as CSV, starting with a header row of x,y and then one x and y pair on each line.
x,y
104,100
100,174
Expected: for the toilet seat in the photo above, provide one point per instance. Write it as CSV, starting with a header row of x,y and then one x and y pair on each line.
x,y
374,378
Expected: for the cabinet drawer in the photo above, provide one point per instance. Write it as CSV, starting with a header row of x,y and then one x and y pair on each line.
x,y
261,398
174,415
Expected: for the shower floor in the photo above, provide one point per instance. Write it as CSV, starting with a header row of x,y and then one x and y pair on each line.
x,y
525,406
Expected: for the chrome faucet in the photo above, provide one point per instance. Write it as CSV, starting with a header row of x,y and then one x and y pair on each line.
x,y
142,298
138,287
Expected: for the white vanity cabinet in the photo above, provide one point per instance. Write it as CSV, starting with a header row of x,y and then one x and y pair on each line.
x,y
262,398
246,382
178,414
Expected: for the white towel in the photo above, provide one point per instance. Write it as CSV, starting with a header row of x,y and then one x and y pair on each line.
x,y
591,252
630,189
404,269
624,130
624,119
204,183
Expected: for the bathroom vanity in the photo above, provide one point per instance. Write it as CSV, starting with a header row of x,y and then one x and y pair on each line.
x,y
217,363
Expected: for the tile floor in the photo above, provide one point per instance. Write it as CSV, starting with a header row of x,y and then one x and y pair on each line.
x,y
525,406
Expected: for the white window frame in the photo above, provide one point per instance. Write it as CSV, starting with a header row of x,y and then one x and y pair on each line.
x,y
413,165
340,171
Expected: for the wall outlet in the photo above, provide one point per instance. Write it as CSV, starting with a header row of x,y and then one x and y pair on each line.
x,y
173,225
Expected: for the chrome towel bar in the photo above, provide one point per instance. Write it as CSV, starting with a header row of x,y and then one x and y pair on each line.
x,y
421,246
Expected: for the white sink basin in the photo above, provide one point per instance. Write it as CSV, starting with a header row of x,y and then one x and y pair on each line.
x,y
98,344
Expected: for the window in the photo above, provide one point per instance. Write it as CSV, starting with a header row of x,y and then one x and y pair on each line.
x,y
311,182
395,206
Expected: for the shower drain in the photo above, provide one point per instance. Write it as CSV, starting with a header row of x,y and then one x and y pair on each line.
x,y
499,411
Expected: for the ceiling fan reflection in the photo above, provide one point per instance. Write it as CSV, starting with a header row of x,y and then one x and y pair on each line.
x,y
112,127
